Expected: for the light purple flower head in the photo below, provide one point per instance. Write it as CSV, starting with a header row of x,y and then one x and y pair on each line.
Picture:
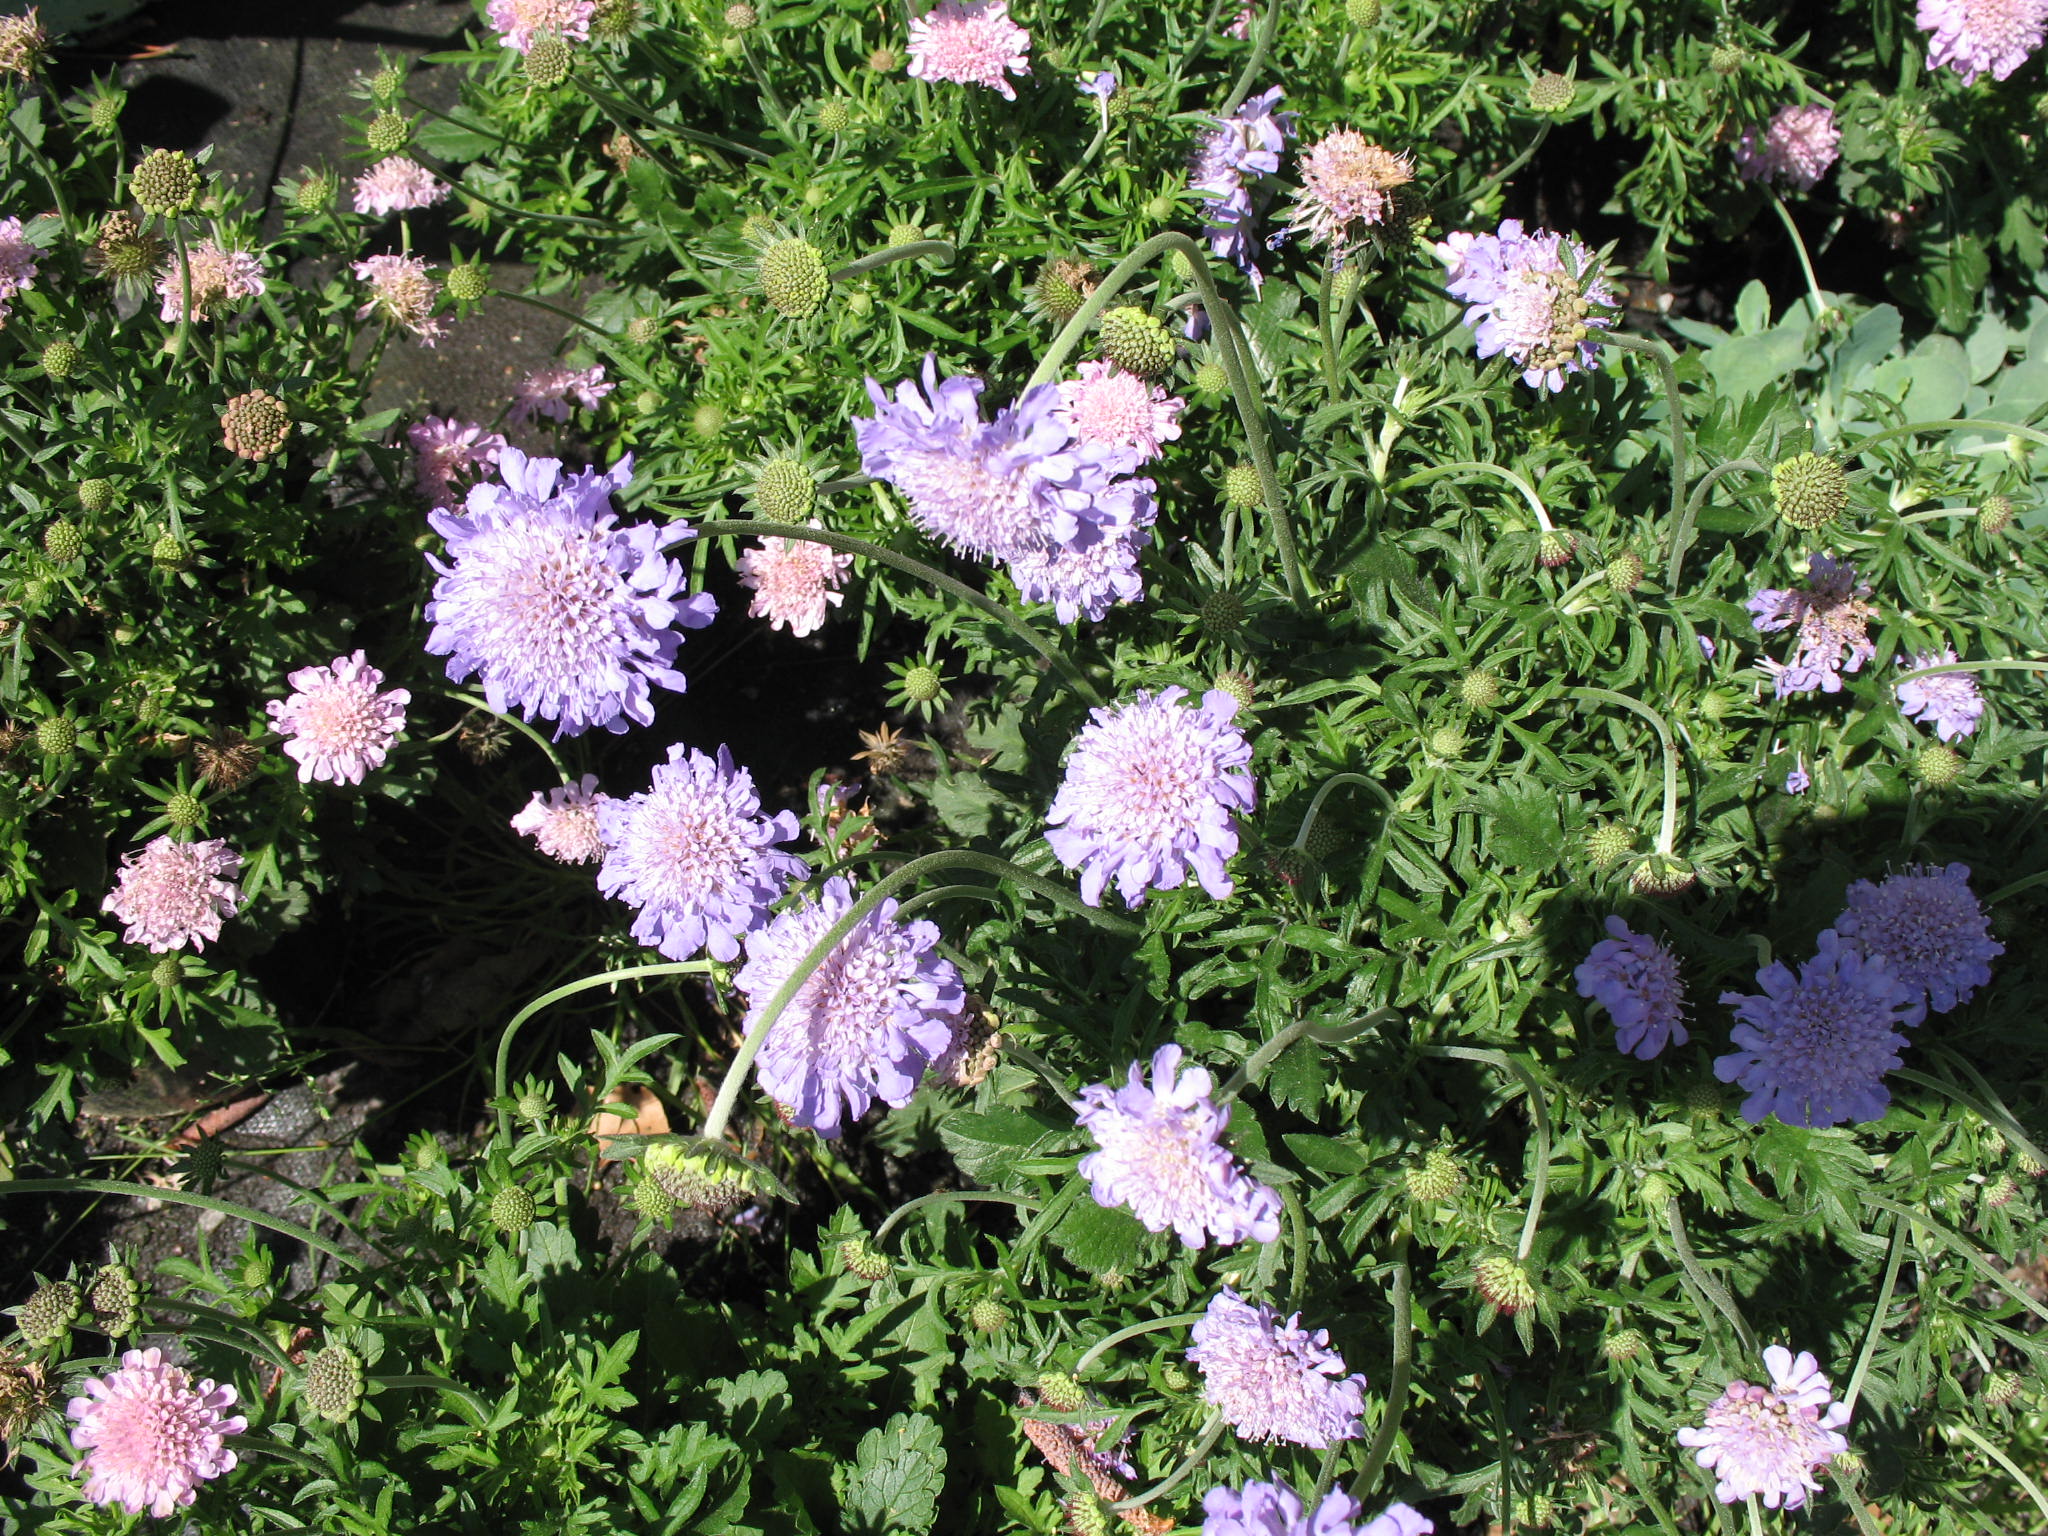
x,y
563,615
696,856
1978,37
877,1011
1234,155
444,449
1086,580
172,894
1273,1380
1798,781
522,23
1635,978
1766,1442
1151,794
1101,85
151,1436
1948,701
563,821
1926,924
1160,1152
1813,1048
1531,295
1275,1509
337,725
1831,618
19,256
1797,147
397,185
551,390
970,42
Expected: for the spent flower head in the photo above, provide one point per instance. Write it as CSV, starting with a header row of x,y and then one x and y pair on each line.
x,y
1347,188
403,291
550,391
218,278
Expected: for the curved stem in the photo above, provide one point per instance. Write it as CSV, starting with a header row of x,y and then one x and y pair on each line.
x,y
2033,1489
555,309
1667,368
1363,1485
946,1196
1667,828
1151,1325
1711,1288
1043,1068
477,1405
1262,43
1539,1113
246,1213
1971,666
1957,1243
1495,178
1328,787
1468,466
184,331
1325,299
947,893
519,725
1681,534
1327,1034
1197,1454
1813,298
1297,1230
940,250
2000,1117
1884,1301
588,983
1949,424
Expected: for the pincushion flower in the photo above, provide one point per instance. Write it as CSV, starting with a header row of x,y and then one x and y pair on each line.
x,y
522,22
1275,1509
795,582
218,277
1084,581
1160,1153
551,390
1635,978
446,453
561,614
970,42
1234,155
695,855
1767,1442
1948,701
1273,1380
1533,296
1980,37
1813,1048
1796,147
173,894
18,258
563,821
864,1025
1347,187
150,1436
1151,794
403,291
397,184
1926,924
1830,618
1108,405
337,725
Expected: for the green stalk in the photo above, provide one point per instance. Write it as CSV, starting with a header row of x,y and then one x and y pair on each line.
x,y
1151,1325
184,289
1971,666
1326,1034
1667,828
1711,1288
947,1197
1325,298
246,1213
1667,369
1325,790
915,250
1876,1329
1998,1117
1199,1453
1949,424
2032,1489
1813,298
1262,43
1539,1112
1473,466
477,1405
48,171
1368,1479
1681,535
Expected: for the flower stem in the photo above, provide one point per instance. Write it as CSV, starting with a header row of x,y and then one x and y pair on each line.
x,y
1971,666
1539,1113
1211,1433
1949,424
1711,1288
1262,43
518,725
914,250
948,1196
1330,786
1473,466
1325,1034
1667,369
2032,1489
1667,828
1681,533
1151,1325
1368,1478
184,290
1813,298
1884,1301
476,1404
246,1213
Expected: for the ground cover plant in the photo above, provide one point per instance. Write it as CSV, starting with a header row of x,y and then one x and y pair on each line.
x,y
1430,927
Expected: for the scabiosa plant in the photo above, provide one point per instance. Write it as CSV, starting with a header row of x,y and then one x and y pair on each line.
x,y
1273,1380
1532,296
561,614
1160,1152
397,185
1766,1442
404,292
1830,617
1813,1048
970,42
1635,978
1796,147
1151,793
1108,405
1926,924
1275,1509
795,582
1347,187
696,856
1948,701
219,277
447,453
336,724
1979,37
172,894
563,821
550,391
151,1436
1233,155
878,1009
521,23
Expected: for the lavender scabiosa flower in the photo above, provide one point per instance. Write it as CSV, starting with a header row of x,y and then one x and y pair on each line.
x,y
1084,580
1347,187
1635,978
18,258
338,726
970,42
1233,155
696,856
1151,793
1532,296
1108,405
1796,147
151,1436
1926,924
1273,1380
523,22
173,894
1798,781
1830,616
563,821
1275,1509
444,449
397,184
878,1009
1766,1442
1813,1048
403,291
1980,37
1160,1152
1948,701
795,582
563,615
218,278
550,391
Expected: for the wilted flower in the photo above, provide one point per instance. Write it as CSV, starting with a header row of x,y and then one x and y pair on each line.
x,y
696,856
404,292
1275,1509
150,1436
1532,296
396,185
1108,405
1233,155
444,448
563,821
1926,924
1976,37
549,391
1830,616
1151,793
1160,1152
1347,185
969,42
1796,148
124,251
523,22
1766,1442
1273,1380
795,582
218,278
23,43
1948,701
173,894
1635,978
338,726
864,1024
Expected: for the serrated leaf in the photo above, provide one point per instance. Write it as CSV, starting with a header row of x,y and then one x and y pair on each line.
x,y
1100,1240
894,1484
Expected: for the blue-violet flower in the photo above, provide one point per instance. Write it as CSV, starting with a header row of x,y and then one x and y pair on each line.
x,y
1926,923
1831,619
1275,1509
1635,978
1948,701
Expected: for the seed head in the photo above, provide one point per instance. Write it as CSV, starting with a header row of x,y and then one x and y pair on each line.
x,y
653,1202
785,491
1061,1393
884,61
47,1315
547,62
1241,486
1609,843
183,810
988,1315
512,1210
704,1175
1435,1179
255,425
334,1383
1448,742
1238,685
56,736
1662,875
23,44
1704,1096
227,759
95,495
794,279
861,1259
205,1162
113,1299
1937,766
1810,489
1625,571
165,183
1994,515
1137,342
1625,1344
1554,548
614,21
2003,1388
1222,614
61,358
388,133
1479,689
468,281
168,973
24,1395
1212,378
61,541
1062,287
105,112
124,251
168,553
1362,13
741,17
923,684
1552,93
1504,1284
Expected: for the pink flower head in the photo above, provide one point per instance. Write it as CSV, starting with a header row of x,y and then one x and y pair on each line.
x,y
1978,37
1347,184
1108,405
563,822
524,21
1769,1441
403,291
150,1436
795,582
1241,27
341,726
444,448
397,184
969,42
18,256
549,391
1796,148
1831,619
172,894
218,278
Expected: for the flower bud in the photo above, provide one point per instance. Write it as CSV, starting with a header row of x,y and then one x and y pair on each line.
x,y
1062,287
741,17
1448,742
1137,342
1662,875
1479,689
988,1315
1221,614
104,115
1810,490
1994,515
114,1300
793,277
388,133
1435,1179
1241,486
62,542
61,359
205,1162
708,420
314,192
653,1202
1999,1191
183,810
1624,1344
168,972
614,21
547,62
165,183
2004,1388
1362,13
95,495
1705,1096
784,490
861,1259
255,425
47,1316
468,282
1504,1284
56,736
834,115
1938,766
512,1210
923,684
1086,1514
1609,843
1212,378
334,1383
1061,1393
1551,93
1726,59
1625,572
533,1106
1238,685
1554,548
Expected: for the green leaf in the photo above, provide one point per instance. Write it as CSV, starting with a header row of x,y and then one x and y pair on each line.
x,y
894,1484
755,1404
455,140
1100,1240
989,1146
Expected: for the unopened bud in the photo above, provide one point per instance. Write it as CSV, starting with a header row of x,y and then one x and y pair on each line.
x,y
1625,571
1552,93
389,132
1554,548
95,495
785,491
1238,685
1504,1284
47,1316
1662,875
988,1315
834,114
168,972
2004,1388
923,684
114,1300
1609,843
62,541
794,279
512,1210
1625,1344
1137,342
1937,766
862,1259
468,282
56,736
1479,689
1061,1393
1994,515
165,183
1810,490
183,810
1435,1179
61,358
1242,487
1212,378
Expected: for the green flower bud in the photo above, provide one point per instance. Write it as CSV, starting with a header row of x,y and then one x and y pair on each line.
x,y
643,330
314,192
1504,1284
1212,378
95,495
165,183
988,1315
653,1202
205,1162
861,1259
104,115
534,1106
757,229
2004,1388
923,684
1995,515
1999,1191
1625,1344
1448,742
47,1316
114,1300
1435,1179
386,84
1552,93
1609,843
1662,875
1362,13
255,425
647,402
1137,342
1222,615
785,491
708,420
1238,685
1810,489
168,554
388,132
1554,548
794,279
1061,1393
468,282
334,1383
1346,283
56,736
61,359
1162,208
1938,766
1726,59
1479,689
512,1210
1704,1096
547,62
1176,1377
256,1270
614,20
834,114
1086,1514
183,810
1625,571
168,972
1242,487
1062,287
62,542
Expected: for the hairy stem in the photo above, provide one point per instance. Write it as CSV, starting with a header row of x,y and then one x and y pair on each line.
x,y
1667,828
